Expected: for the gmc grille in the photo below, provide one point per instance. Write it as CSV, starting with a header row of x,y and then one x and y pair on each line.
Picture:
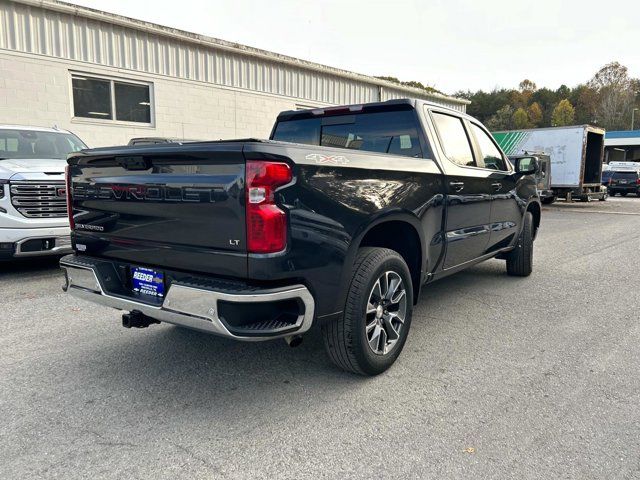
x,y
39,199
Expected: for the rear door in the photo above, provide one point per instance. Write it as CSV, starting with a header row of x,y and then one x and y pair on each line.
x,y
173,206
468,192
505,211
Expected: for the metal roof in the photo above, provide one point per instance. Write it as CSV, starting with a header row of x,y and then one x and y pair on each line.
x,y
63,30
622,138
623,134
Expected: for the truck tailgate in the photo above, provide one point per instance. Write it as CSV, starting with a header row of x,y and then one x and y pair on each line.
x,y
176,208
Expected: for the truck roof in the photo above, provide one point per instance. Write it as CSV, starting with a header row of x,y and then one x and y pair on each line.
x,y
34,129
358,107
591,128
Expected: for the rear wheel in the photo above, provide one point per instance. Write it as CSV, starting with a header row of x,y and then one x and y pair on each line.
x,y
548,200
520,259
369,336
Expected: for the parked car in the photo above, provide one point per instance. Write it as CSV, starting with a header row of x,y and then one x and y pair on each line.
x,y
624,182
33,207
339,219
606,176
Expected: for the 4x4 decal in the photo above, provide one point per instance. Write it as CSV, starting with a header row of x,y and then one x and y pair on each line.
x,y
322,159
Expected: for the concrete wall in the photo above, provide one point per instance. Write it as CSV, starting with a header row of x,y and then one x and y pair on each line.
x,y
36,90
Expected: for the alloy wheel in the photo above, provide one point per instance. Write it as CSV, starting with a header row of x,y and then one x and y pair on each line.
x,y
385,315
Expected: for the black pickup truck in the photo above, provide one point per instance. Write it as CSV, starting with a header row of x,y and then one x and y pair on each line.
x,y
338,220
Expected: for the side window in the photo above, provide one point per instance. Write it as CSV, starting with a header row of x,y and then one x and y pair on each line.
x,y
491,156
454,140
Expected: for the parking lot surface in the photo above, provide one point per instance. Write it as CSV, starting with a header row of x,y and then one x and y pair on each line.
x,y
500,378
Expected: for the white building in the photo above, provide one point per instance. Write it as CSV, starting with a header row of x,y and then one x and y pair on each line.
x,y
109,78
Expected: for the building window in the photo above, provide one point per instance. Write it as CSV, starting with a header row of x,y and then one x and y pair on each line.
x,y
107,99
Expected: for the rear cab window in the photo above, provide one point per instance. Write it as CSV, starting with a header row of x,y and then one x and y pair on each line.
x,y
393,132
624,175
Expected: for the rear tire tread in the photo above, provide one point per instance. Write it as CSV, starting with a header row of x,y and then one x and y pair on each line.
x,y
520,260
338,333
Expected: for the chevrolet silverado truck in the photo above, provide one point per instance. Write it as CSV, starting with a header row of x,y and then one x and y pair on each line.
x,y
339,219
33,203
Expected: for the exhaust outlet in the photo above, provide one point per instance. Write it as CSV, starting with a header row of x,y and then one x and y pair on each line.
x,y
293,340
137,319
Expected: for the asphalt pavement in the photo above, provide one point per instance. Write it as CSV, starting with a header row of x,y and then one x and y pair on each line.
x,y
500,378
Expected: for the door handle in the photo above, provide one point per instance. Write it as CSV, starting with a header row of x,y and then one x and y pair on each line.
x,y
456,186
496,186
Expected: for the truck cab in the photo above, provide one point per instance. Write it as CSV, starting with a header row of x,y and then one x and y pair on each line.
x,y
543,175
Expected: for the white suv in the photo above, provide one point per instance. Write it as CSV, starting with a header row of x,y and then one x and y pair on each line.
x,y
33,210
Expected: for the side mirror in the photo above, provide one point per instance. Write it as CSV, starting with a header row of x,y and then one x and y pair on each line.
x,y
527,165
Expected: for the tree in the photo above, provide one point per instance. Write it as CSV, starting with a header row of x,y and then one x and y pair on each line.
x,y
563,92
563,114
521,98
535,114
611,75
547,99
527,86
586,99
502,120
606,100
521,119
485,104
616,96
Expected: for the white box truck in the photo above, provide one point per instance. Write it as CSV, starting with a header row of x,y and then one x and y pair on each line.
x,y
576,157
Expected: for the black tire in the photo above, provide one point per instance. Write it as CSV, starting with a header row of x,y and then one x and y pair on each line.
x,y
520,259
548,200
345,338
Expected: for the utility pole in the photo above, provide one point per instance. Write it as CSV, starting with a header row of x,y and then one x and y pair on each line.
x,y
633,117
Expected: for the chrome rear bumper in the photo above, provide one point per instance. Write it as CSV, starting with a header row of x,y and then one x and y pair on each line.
x,y
189,306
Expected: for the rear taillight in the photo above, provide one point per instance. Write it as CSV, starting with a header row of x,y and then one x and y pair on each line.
x,y
67,179
638,181
266,222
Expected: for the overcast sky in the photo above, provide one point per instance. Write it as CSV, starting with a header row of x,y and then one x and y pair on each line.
x,y
451,45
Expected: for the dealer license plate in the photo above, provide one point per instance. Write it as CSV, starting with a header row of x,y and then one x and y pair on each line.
x,y
147,281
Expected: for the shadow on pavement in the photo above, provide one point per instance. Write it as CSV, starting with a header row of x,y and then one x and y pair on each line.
x,y
181,365
29,265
